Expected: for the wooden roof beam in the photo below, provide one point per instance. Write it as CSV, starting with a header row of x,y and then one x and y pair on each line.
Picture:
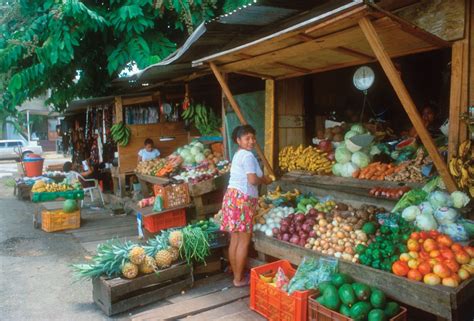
x,y
353,53
407,102
276,63
253,74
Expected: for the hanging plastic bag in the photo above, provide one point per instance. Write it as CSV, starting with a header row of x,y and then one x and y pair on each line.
x,y
311,272
158,206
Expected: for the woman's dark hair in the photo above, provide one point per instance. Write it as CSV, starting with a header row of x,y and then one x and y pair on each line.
x,y
242,130
67,167
148,141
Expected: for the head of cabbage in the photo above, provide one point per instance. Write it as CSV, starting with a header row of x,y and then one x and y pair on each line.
x,y
348,169
360,159
336,169
439,199
342,155
459,199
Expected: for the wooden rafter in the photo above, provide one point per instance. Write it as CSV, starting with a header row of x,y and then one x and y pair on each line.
x,y
253,74
276,63
406,100
353,53
236,108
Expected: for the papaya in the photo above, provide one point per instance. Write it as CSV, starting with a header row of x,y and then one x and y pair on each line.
x,y
377,315
331,298
378,299
361,291
391,309
338,279
346,294
360,310
345,310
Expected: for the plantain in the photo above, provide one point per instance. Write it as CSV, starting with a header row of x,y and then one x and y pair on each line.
x,y
453,167
464,148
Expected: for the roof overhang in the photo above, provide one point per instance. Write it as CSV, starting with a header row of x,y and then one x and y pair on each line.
x,y
327,41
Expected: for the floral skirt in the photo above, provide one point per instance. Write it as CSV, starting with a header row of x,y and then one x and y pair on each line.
x,y
237,211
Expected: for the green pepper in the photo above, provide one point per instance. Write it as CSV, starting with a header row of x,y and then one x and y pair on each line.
x,y
379,239
402,248
376,254
360,249
390,250
365,259
394,258
405,237
376,264
368,252
384,229
395,229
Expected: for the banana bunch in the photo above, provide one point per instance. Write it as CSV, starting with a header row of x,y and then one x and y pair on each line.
x,y
461,167
120,133
39,187
308,159
204,119
276,194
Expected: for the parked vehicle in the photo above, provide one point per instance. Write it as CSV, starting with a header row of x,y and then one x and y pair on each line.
x,y
13,148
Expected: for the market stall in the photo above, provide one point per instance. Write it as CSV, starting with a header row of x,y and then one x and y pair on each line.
x,y
346,169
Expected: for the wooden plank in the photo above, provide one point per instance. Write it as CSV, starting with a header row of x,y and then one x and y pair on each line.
x,y
118,110
353,53
290,121
194,306
137,100
245,315
204,286
153,179
226,311
236,108
210,185
456,102
433,299
269,147
406,100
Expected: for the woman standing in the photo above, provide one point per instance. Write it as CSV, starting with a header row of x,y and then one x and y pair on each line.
x,y
240,201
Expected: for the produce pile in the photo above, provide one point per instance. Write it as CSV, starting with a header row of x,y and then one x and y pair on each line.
x,y
461,167
204,119
160,167
390,193
355,300
309,159
40,186
120,133
128,259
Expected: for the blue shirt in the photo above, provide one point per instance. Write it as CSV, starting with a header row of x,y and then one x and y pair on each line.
x,y
146,155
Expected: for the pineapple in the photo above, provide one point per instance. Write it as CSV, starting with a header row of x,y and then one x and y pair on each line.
x,y
174,253
163,259
129,270
176,239
148,266
137,255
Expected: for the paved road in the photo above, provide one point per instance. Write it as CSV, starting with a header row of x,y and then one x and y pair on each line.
x,y
9,167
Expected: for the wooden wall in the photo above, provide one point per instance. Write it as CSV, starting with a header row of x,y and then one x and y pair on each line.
x,y
128,155
290,111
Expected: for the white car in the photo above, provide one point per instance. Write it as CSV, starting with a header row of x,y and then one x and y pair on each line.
x,y
10,149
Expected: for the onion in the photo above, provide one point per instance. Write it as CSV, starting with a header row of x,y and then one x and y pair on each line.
x,y
347,228
326,246
285,222
304,235
291,217
330,227
312,211
292,230
348,244
322,229
279,236
330,251
308,246
299,217
340,242
339,248
349,250
295,239
298,228
320,216
275,231
302,242
340,235
312,233
285,237
323,222
310,222
311,240
306,227
284,228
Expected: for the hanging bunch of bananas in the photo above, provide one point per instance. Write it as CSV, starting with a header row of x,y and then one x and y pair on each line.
x,y
204,119
120,133
307,159
461,167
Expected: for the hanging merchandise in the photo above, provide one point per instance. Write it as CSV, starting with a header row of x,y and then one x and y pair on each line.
x,y
204,119
141,115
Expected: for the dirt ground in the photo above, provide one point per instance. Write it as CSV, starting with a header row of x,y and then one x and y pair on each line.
x,y
35,275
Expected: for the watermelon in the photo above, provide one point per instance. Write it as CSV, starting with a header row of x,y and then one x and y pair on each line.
x,y
69,206
407,144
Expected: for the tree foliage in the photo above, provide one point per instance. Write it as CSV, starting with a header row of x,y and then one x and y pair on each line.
x,y
43,44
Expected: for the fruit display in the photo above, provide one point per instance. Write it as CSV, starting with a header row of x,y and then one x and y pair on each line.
x,y
41,186
160,167
204,119
203,172
461,167
120,133
355,300
308,158
434,258
390,193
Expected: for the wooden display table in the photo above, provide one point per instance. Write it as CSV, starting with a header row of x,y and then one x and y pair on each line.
x,y
207,195
441,301
154,180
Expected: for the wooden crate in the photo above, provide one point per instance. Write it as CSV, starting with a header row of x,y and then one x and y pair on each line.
x,y
58,220
173,195
210,185
118,294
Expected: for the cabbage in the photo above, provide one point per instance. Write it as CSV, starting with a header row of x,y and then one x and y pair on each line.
x,y
189,159
358,128
410,213
199,145
348,168
200,158
459,199
343,155
336,169
360,159
439,199
179,150
195,150
185,153
426,222
456,231
446,215
350,134
426,208
374,150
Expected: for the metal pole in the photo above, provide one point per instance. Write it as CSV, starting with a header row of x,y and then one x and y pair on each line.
x,y
28,124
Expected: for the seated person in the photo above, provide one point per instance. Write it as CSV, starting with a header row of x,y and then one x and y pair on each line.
x,y
149,152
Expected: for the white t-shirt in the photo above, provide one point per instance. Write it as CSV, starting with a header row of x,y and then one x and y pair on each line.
x,y
146,155
243,163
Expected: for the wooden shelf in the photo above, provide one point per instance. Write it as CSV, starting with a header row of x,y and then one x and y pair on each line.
x,y
153,179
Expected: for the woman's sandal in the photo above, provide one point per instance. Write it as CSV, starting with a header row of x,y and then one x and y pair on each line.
x,y
243,283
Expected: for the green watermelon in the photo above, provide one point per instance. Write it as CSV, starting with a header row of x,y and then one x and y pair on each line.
x,y
69,206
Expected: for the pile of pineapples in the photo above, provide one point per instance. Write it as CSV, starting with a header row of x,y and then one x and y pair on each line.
x,y
129,259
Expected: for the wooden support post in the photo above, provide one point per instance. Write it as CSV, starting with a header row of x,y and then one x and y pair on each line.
x,y
118,109
406,100
237,111
458,96
224,129
269,147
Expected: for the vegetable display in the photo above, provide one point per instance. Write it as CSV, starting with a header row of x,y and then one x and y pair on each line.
x,y
40,186
390,193
355,300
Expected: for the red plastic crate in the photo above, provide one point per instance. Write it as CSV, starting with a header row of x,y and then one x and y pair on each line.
x,y
158,222
318,312
273,303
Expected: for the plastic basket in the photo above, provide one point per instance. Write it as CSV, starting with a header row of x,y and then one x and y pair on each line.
x,y
318,312
173,195
51,196
218,239
158,222
273,303
58,220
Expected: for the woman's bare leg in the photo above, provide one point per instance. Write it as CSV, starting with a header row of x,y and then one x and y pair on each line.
x,y
234,240
241,257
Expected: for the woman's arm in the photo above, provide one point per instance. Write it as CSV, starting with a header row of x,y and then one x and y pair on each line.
x,y
255,180
139,158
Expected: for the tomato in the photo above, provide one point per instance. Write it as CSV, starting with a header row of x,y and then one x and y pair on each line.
x,y
400,268
444,240
463,274
442,270
424,235
415,236
450,281
469,250
430,245
431,279
433,234
447,254
424,255
414,275
456,247
452,265
424,268
462,257
413,245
